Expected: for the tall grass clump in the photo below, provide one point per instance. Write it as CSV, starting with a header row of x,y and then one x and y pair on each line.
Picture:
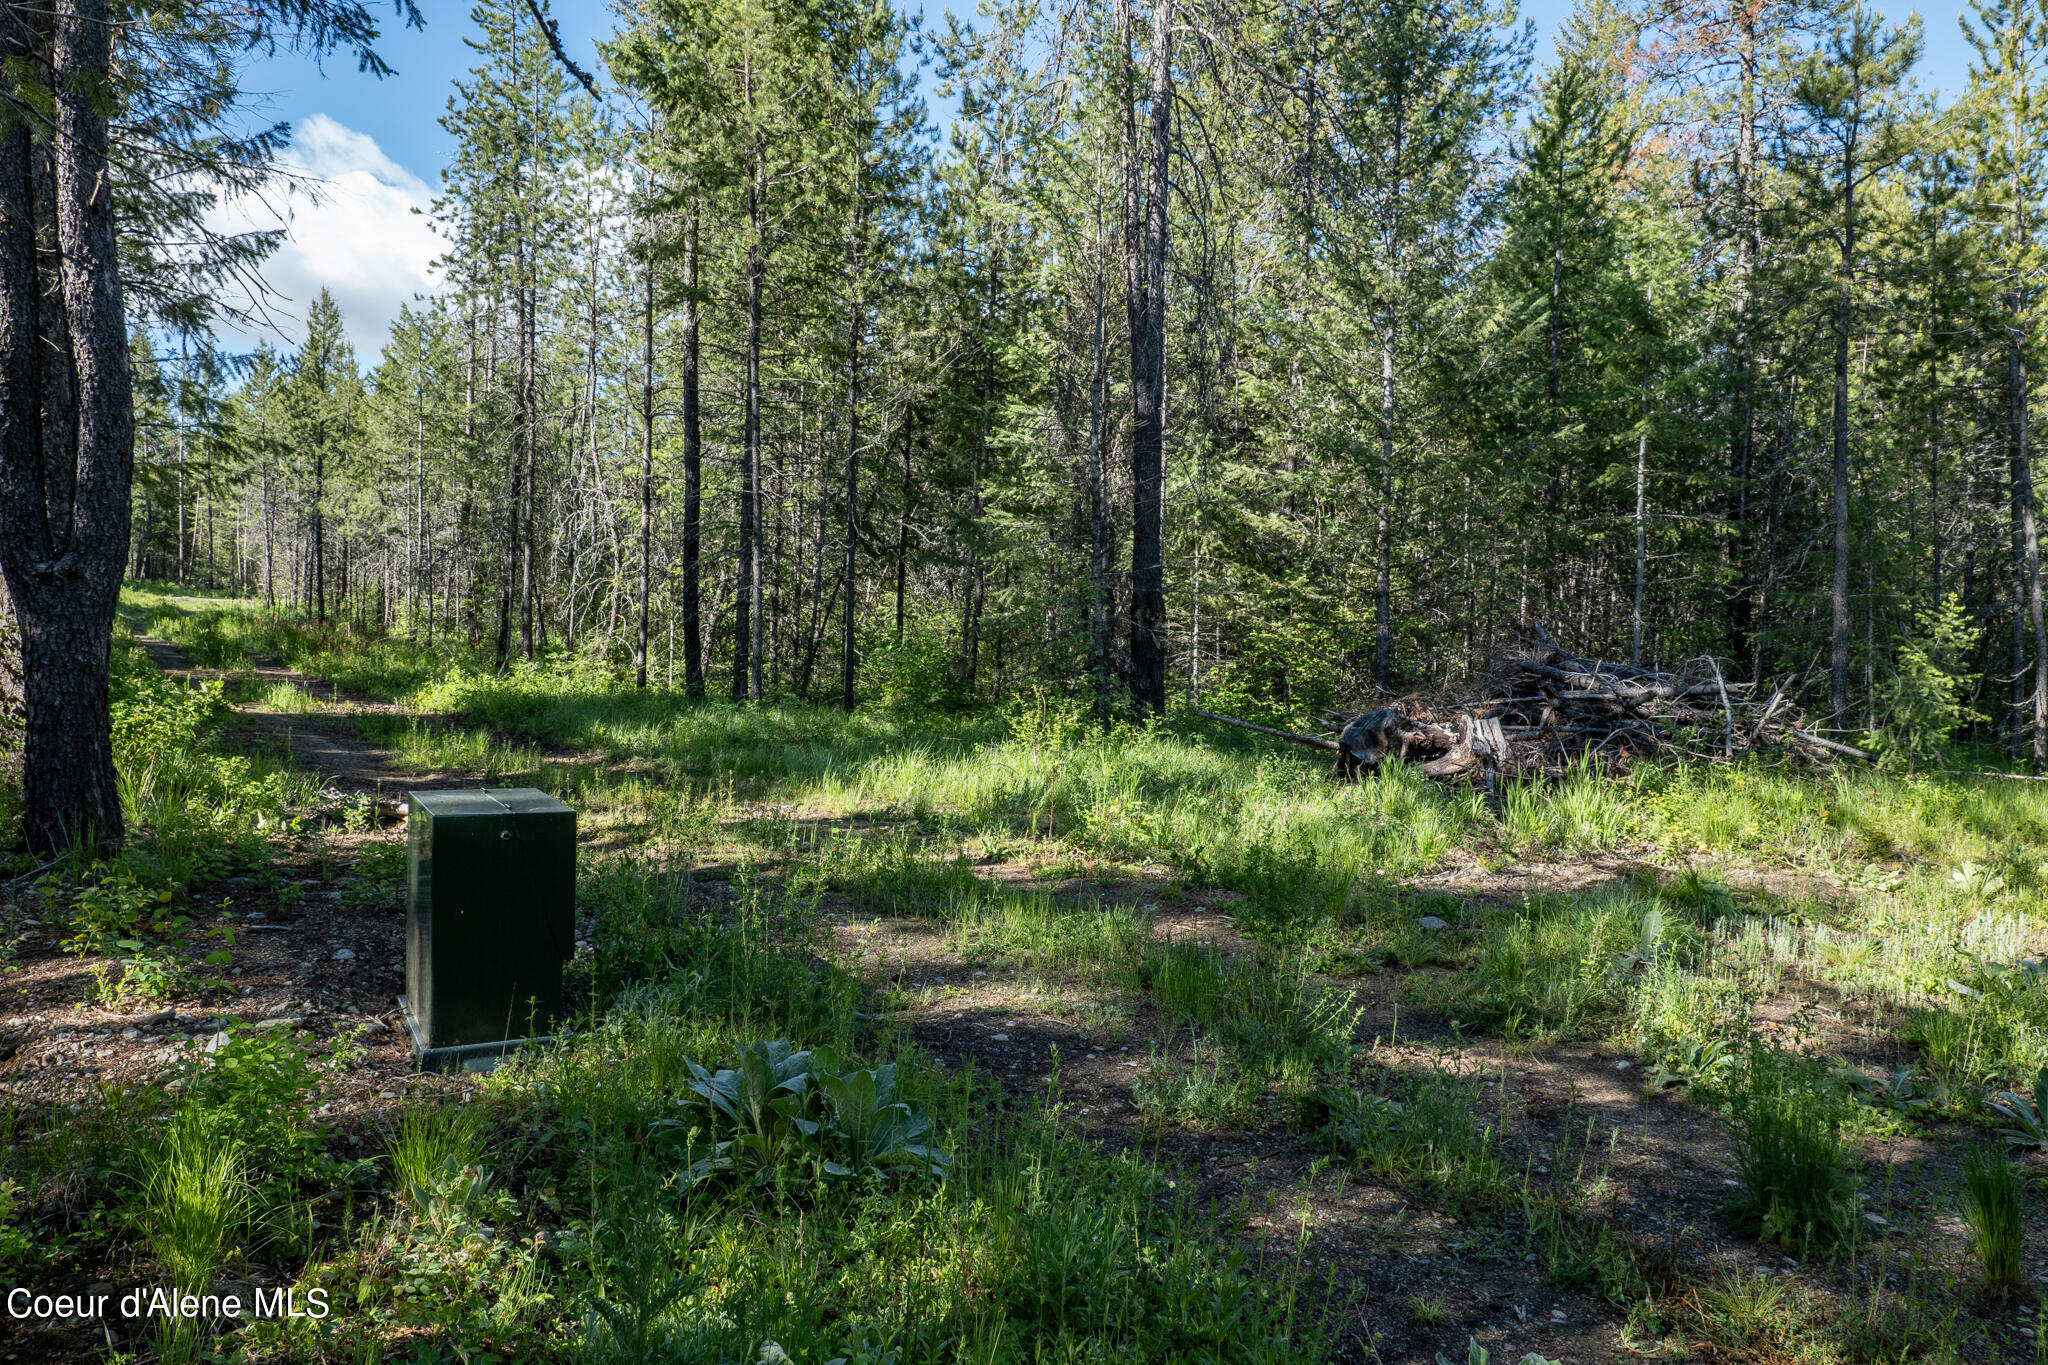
x,y
1845,816
1795,1186
1589,810
195,1199
1993,1188
437,1163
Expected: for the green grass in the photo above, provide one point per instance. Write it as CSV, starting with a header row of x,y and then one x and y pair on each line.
x,y
569,1212
436,1164
195,1200
1993,1192
1794,1184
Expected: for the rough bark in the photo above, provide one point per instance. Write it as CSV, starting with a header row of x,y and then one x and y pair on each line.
x,y
854,325
1838,667
64,491
646,478
1147,309
693,474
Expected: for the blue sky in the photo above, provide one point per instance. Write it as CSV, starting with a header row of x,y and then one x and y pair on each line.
x,y
379,146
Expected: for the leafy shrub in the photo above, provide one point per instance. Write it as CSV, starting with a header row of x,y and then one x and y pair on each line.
x,y
153,716
378,876
1992,1188
784,1109
257,1086
1796,1185
140,978
920,672
14,1238
118,912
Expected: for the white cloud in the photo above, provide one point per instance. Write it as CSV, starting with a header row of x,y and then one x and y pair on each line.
x,y
348,213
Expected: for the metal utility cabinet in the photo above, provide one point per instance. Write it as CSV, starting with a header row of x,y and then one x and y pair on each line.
x,y
490,919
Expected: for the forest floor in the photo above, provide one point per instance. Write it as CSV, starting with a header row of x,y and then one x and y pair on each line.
x,y
1354,1074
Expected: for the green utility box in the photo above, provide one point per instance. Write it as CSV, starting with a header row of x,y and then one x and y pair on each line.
x,y
490,919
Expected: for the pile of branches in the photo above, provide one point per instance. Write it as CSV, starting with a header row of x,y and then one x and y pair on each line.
x,y
1541,709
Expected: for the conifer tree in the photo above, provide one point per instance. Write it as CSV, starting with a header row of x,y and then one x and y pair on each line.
x,y
2009,144
1849,95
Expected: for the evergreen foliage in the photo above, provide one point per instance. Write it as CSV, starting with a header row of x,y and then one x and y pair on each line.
x,y
1707,337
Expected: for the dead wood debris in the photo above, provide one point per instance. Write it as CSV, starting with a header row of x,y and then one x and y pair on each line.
x,y
1542,709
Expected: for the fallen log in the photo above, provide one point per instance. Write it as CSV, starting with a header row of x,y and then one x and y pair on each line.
x,y
1310,740
1846,750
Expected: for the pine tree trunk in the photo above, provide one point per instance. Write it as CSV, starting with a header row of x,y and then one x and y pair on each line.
x,y
1148,389
64,492
1635,652
746,673
269,528
693,473
529,441
646,478
319,533
1838,670
1098,509
855,322
903,543
1742,446
2026,545
1383,527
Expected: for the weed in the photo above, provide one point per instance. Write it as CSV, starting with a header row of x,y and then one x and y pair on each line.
x,y
118,912
1691,1061
1886,1328
195,1198
1574,1245
2023,1120
1902,1090
1211,1090
437,1164
1993,1188
14,1238
1795,1187
782,1109
1475,1354
1551,967
1428,1310
378,878
144,976
287,698
258,1087
1755,1316
1424,1135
